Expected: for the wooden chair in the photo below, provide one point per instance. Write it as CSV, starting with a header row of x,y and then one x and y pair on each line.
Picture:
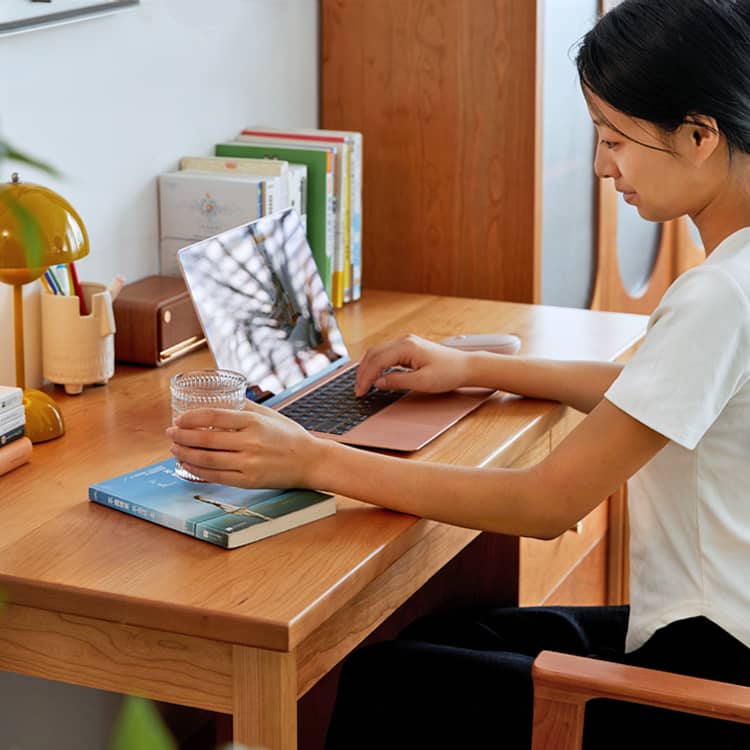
x,y
563,684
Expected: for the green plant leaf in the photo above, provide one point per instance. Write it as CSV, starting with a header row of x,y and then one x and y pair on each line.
x,y
31,235
8,152
139,727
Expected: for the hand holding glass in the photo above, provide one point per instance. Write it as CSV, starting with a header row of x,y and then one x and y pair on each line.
x,y
205,389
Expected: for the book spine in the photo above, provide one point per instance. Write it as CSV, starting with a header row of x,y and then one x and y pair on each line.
x,y
347,224
139,511
339,250
273,204
213,536
11,434
15,454
356,216
331,212
11,418
9,400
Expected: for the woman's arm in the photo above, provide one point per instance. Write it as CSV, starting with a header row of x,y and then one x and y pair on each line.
x,y
260,448
578,384
434,369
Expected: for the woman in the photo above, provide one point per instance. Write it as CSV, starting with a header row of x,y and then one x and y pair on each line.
x,y
667,84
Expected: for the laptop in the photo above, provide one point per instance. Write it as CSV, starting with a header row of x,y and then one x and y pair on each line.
x,y
265,312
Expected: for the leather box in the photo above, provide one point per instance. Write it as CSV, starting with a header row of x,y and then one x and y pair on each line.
x,y
156,321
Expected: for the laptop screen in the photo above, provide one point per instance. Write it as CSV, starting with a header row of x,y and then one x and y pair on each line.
x,y
263,306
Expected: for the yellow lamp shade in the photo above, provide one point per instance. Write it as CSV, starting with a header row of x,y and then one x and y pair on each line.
x,y
38,229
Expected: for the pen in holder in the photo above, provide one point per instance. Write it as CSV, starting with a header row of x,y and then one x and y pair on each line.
x,y
77,349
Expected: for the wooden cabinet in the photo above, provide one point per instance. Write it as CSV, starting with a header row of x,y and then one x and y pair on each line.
x,y
445,94
456,111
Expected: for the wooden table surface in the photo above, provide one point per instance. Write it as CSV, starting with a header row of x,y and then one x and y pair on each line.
x,y
97,585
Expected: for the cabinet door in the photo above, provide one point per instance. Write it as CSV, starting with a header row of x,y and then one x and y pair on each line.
x,y
445,94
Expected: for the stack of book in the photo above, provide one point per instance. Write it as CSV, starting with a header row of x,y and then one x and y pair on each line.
x,y
15,449
263,170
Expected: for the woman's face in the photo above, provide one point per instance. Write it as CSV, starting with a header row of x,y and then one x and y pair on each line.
x,y
652,172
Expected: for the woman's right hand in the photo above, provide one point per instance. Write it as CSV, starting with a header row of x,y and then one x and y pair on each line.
x,y
429,367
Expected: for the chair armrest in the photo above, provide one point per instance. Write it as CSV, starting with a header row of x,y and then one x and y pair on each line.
x,y
563,684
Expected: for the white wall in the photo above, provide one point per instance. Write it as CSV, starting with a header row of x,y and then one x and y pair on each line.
x,y
111,102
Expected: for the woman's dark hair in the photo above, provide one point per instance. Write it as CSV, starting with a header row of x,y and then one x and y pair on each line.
x,y
665,61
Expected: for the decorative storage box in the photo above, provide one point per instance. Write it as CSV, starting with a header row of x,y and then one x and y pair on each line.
x,y
156,321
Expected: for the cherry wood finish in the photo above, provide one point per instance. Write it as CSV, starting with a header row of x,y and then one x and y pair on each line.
x,y
447,97
563,684
99,598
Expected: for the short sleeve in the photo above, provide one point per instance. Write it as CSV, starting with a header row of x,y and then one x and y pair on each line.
x,y
693,359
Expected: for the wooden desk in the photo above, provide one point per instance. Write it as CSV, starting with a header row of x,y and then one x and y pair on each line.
x,y
101,599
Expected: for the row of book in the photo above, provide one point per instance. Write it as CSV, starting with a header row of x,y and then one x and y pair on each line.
x,y
264,170
15,449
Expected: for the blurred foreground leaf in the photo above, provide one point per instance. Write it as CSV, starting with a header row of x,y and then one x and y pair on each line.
x,y
139,727
8,152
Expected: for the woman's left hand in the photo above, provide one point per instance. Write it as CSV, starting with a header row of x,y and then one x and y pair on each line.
x,y
253,448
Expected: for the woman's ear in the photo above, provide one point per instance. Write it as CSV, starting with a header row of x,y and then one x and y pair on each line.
x,y
702,133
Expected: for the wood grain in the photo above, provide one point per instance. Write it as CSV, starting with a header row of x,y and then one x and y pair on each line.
x,y
563,683
122,658
59,551
265,699
446,95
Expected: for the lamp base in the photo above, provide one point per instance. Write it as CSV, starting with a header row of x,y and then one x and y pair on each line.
x,y
43,418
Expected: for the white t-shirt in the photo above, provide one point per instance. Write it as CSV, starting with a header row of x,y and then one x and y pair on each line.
x,y
690,505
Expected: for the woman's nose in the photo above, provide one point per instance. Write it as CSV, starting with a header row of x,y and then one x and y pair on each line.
x,y
604,164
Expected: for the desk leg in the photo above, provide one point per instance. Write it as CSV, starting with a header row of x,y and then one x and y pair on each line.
x,y
265,698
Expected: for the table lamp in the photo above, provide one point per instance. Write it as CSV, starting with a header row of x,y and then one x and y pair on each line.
x,y
38,229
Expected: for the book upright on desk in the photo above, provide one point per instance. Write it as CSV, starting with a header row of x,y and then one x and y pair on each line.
x,y
226,516
319,161
348,146
195,204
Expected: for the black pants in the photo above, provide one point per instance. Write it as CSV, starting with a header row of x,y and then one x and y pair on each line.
x,y
464,681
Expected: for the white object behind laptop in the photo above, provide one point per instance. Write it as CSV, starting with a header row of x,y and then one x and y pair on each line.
x,y
265,313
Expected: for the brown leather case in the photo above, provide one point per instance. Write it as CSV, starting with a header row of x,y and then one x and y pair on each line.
x,y
156,321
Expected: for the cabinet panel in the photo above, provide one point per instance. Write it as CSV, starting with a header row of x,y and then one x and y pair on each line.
x,y
446,95
545,563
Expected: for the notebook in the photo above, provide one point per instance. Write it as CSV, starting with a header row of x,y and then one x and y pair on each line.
x,y
265,313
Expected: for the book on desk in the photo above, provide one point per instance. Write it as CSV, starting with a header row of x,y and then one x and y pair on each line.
x,y
216,513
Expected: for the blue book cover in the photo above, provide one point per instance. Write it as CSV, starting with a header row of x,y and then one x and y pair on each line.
x,y
223,515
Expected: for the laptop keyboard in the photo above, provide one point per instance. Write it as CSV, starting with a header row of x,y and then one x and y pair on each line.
x,y
334,409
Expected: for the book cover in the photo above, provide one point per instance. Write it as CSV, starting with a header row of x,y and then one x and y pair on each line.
x,y
195,204
10,396
226,516
320,181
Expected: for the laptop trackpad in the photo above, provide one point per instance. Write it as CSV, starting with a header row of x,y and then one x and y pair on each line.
x,y
414,420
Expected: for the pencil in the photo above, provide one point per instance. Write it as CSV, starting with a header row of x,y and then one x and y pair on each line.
x,y
77,287
47,287
53,282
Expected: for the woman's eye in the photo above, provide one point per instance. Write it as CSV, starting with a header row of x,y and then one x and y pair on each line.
x,y
608,144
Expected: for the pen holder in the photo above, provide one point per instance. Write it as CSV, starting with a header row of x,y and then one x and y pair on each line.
x,y
77,349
